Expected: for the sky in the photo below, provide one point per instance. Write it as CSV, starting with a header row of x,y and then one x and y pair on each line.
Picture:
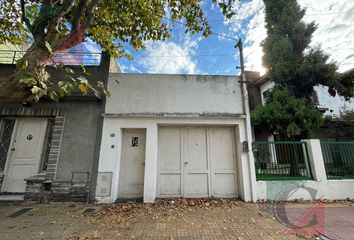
x,y
193,54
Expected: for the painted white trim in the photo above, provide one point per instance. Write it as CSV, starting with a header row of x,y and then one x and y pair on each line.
x,y
9,155
110,158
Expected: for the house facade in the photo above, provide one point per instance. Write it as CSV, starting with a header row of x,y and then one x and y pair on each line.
x,y
49,150
175,136
331,107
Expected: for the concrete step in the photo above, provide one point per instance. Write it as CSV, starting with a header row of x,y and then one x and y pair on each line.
x,y
12,197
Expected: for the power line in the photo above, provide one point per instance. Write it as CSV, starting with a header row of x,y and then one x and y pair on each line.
x,y
216,55
213,33
310,14
198,55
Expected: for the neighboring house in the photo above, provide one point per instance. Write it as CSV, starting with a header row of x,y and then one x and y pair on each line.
x,y
332,107
10,53
49,150
175,136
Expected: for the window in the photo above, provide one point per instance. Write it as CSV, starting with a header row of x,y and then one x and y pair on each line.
x,y
265,94
48,141
6,129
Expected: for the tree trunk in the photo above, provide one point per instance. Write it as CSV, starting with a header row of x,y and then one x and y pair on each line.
x,y
12,90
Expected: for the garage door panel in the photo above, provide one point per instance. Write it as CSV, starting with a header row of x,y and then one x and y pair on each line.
x,y
197,162
195,149
196,185
170,184
170,149
224,185
222,151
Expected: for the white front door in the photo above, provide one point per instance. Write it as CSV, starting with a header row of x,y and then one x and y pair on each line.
x,y
131,180
197,162
25,153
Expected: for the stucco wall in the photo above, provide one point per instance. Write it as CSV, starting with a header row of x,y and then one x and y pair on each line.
x,y
334,104
161,93
79,136
111,151
318,188
83,121
149,100
307,190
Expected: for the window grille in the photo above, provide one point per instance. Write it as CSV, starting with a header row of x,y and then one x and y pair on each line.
x,y
6,129
47,145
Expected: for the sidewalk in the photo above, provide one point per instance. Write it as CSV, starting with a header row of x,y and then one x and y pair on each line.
x,y
331,220
167,219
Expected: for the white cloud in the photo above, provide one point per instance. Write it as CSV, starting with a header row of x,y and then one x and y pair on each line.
x,y
251,15
335,31
128,68
170,57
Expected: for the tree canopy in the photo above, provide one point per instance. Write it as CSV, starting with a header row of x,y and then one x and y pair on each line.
x,y
52,27
291,62
296,68
286,116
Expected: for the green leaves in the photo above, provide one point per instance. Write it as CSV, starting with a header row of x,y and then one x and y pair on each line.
x,y
49,48
289,117
55,26
289,65
12,29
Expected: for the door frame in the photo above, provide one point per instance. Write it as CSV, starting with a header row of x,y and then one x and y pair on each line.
x,y
124,131
10,153
183,128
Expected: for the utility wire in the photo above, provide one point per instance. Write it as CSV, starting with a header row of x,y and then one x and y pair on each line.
x,y
219,55
213,33
310,14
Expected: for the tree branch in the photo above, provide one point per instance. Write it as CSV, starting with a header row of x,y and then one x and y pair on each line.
x,y
89,13
79,12
53,32
24,18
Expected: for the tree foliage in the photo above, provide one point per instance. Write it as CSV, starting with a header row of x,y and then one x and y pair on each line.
x,y
347,115
286,116
291,62
52,27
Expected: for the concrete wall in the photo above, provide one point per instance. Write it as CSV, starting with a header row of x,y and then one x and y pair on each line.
x,y
150,100
80,141
292,190
161,93
111,151
334,104
80,134
318,188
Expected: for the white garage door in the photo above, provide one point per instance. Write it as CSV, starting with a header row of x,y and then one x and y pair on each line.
x,y
197,162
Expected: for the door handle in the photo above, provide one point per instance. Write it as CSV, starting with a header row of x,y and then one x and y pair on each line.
x,y
185,163
13,149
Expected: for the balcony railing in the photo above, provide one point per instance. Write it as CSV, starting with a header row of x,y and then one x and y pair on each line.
x,y
67,58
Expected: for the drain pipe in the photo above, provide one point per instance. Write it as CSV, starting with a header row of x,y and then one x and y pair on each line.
x,y
246,112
